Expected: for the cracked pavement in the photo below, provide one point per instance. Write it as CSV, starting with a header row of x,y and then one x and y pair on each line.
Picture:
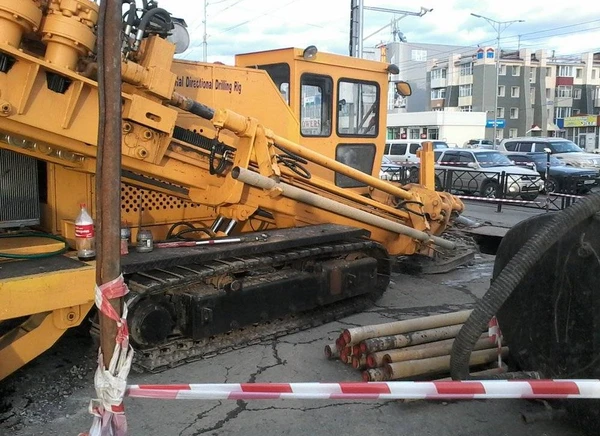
x,y
299,358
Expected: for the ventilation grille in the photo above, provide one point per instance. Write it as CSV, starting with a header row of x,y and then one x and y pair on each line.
x,y
150,200
19,192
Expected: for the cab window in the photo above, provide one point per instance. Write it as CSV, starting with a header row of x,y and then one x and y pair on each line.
x,y
413,148
280,75
316,99
511,146
358,108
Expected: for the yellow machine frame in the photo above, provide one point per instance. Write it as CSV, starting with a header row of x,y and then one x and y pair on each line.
x,y
166,180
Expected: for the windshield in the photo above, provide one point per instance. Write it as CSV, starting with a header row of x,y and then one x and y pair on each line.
x,y
437,145
541,159
492,159
564,147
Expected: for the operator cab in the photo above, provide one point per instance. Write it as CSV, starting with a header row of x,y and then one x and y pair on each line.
x,y
340,104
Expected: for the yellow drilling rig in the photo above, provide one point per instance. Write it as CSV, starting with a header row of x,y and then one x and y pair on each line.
x,y
263,176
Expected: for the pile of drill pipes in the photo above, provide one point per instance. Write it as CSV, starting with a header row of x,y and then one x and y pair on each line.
x,y
411,348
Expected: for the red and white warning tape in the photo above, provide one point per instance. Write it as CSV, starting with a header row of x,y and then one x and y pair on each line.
x,y
111,383
495,200
436,390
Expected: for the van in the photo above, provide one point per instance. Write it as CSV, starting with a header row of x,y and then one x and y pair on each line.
x,y
563,149
405,150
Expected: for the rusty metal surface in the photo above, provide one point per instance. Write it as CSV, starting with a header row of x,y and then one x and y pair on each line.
x,y
108,164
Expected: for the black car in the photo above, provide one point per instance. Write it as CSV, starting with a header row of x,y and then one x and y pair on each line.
x,y
561,177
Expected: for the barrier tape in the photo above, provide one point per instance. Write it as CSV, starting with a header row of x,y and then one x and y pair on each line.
x,y
497,200
111,384
495,335
435,390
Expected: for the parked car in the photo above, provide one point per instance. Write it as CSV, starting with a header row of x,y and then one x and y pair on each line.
x,y
479,143
390,170
569,152
405,150
479,171
559,174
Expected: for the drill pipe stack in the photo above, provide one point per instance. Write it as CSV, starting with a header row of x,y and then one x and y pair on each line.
x,y
415,347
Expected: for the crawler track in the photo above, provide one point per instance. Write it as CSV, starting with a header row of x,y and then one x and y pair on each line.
x,y
202,278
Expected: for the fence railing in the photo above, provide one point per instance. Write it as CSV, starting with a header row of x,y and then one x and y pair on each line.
x,y
499,187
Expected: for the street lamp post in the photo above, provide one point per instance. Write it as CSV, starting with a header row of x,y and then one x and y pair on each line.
x,y
499,27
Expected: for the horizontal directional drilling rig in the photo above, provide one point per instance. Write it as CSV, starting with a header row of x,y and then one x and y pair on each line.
x,y
258,182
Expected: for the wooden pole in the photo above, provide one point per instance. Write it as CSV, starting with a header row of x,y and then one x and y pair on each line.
x,y
108,164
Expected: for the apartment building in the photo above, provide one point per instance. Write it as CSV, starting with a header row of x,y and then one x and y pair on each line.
x,y
536,91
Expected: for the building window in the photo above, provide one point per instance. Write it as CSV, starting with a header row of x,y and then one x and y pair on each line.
x,y
501,91
562,112
515,91
466,69
548,93
466,108
564,71
564,91
548,72
433,133
418,55
593,73
414,133
500,112
514,113
532,75
465,90
578,73
438,73
502,70
577,93
438,93
576,111
437,109
516,70
513,133
532,94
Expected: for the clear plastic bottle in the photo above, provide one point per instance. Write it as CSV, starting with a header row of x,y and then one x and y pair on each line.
x,y
85,235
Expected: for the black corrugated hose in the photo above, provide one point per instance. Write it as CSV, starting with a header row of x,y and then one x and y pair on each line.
x,y
510,277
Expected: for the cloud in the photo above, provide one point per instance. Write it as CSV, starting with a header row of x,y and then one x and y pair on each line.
x,y
238,26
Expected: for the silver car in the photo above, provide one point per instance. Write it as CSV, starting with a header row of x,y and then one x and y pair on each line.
x,y
481,172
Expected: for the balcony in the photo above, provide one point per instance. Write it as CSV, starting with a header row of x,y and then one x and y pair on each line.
x,y
465,80
465,101
439,83
437,103
563,102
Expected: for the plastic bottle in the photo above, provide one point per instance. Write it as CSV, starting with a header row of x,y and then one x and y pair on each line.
x,y
85,235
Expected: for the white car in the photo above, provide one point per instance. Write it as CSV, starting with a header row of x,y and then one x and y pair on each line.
x,y
567,151
485,172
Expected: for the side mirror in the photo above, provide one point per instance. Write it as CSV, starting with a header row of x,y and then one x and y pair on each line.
x,y
472,165
547,150
403,88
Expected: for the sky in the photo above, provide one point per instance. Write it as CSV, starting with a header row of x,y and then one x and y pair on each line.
x,y
241,26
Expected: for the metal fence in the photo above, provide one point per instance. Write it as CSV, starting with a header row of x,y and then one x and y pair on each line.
x,y
498,188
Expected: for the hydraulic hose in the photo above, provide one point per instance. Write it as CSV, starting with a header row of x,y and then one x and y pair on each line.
x,y
36,255
510,277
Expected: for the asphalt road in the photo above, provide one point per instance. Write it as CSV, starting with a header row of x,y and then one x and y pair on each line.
x,y
294,358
